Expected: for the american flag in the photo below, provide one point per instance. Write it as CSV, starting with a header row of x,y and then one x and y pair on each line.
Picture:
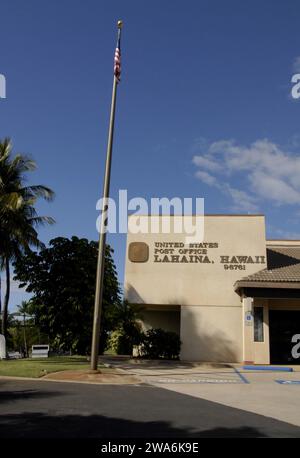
x,y
117,62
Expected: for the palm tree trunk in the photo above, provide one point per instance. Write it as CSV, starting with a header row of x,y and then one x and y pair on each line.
x,y
25,341
6,299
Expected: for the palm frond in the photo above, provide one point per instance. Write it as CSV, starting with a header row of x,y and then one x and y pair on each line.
x,y
42,220
5,149
21,164
38,191
18,216
13,200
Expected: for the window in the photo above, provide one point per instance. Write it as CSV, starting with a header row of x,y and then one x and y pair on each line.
x,y
258,324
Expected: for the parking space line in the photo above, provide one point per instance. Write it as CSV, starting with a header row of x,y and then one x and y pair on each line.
x,y
242,377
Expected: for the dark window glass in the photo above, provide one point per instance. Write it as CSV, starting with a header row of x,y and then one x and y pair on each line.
x,y
258,324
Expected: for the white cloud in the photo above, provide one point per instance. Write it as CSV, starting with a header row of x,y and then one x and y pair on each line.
x,y
206,163
206,178
278,189
267,172
242,201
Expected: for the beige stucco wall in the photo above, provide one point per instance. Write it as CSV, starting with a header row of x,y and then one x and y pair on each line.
x,y
211,312
211,333
197,284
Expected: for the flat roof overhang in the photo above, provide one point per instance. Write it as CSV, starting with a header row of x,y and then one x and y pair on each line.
x,y
268,289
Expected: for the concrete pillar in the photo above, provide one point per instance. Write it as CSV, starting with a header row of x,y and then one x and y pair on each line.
x,y
248,331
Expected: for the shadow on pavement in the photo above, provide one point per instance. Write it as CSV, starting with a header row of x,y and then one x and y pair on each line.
x,y
15,395
37,425
69,410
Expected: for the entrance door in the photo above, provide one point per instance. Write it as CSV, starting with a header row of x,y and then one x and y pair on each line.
x,y
283,325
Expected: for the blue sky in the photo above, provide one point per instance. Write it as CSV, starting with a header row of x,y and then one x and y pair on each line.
x,y
204,106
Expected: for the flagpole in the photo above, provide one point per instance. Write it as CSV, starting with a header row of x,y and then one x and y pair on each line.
x,y
102,235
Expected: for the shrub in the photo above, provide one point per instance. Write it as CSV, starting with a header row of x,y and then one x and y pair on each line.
x,y
122,340
158,343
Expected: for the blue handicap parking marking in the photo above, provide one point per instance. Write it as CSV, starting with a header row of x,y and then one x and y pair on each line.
x,y
288,382
266,367
241,376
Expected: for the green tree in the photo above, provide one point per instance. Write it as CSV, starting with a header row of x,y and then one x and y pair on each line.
x,y
18,217
23,333
128,332
158,343
62,281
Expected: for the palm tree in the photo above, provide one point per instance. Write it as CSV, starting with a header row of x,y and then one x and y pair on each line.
x,y
24,312
18,217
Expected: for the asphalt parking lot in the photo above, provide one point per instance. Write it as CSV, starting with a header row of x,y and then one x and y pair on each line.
x,y
41,409
253,391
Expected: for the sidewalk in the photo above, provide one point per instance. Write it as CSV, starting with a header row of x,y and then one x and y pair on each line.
x,y
225,384
106,376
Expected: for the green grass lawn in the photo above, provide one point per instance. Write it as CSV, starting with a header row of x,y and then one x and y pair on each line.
x,y
39,367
